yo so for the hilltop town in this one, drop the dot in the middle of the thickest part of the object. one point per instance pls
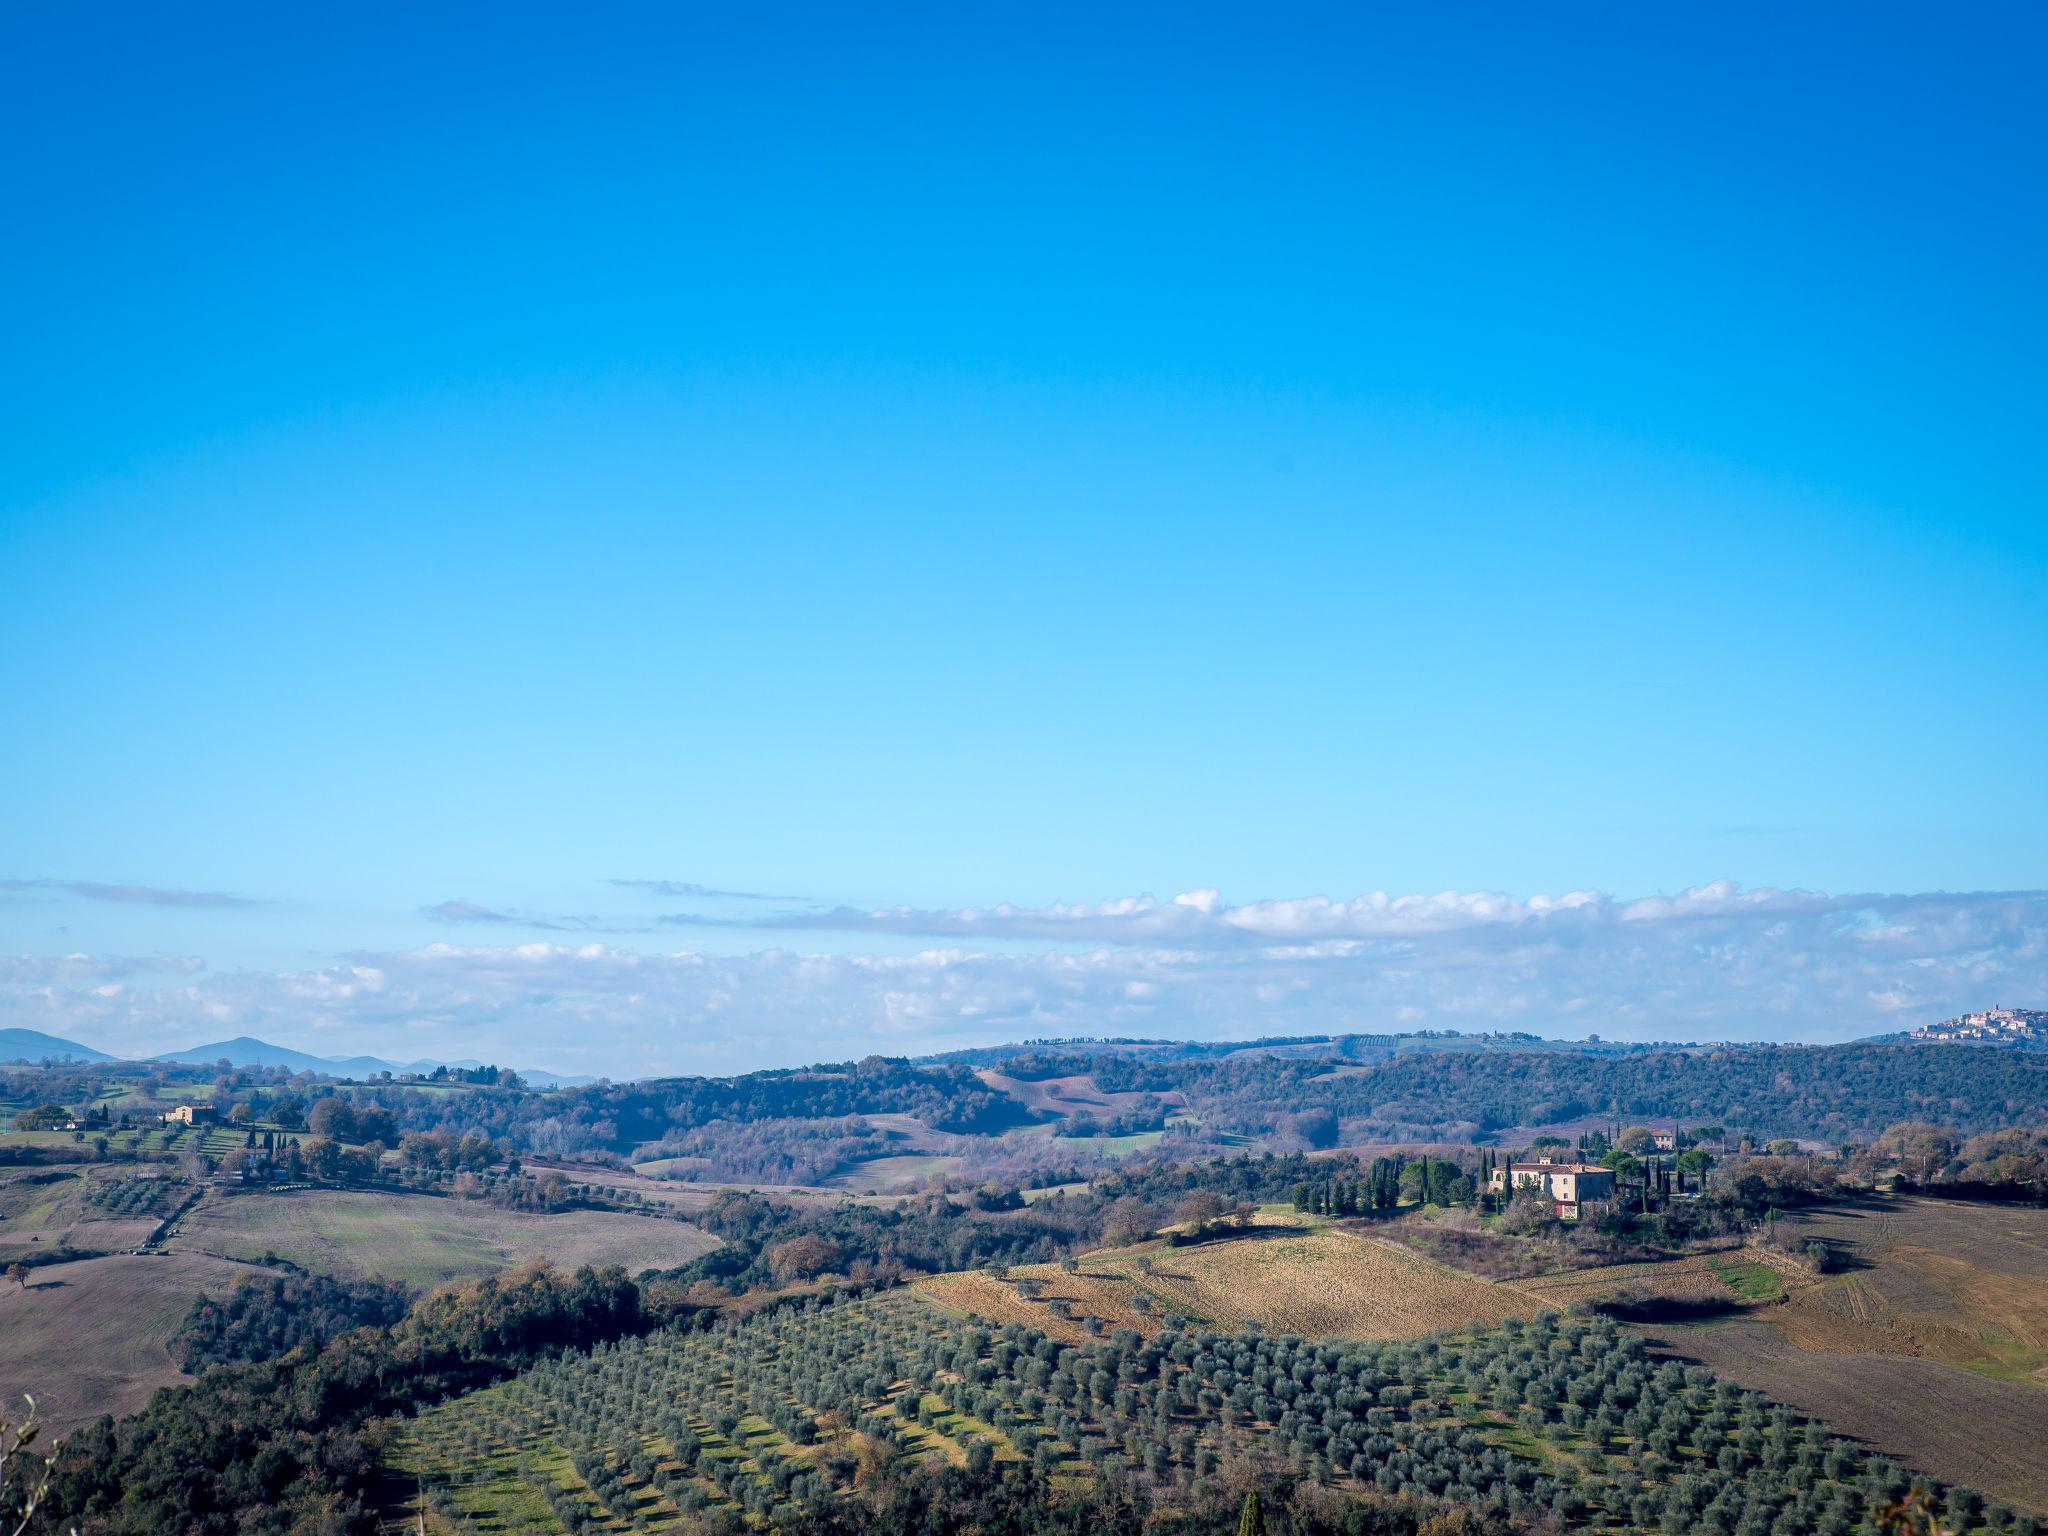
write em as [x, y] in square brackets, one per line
[1994, 1026]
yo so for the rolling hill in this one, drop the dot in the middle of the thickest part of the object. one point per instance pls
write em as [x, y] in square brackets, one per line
[34, 1045]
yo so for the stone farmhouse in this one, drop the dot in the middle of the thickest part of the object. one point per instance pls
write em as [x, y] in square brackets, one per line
[1575, 1189]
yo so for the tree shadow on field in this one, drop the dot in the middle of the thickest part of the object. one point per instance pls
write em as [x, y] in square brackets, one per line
[1669, 1309]
[1216, 1238]
[1264, 1233]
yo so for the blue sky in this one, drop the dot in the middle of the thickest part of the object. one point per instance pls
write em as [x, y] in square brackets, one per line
[927, 464]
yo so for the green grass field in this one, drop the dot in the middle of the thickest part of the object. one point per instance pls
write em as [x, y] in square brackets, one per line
[1749, 1280]
[883, 1174]
[1111, 1146]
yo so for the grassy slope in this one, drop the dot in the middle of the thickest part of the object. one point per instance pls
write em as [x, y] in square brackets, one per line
[423, 1239]
[1294, 1275]
[88, 1337]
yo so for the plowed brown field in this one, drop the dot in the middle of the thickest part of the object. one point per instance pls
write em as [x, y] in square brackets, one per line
[1931, 1343]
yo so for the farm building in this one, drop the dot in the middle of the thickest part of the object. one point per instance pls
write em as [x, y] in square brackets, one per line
[1664, 1141]
[1574, 1187]
[192, 1114]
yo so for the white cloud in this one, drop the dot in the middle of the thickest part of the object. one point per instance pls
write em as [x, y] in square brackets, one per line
[1718, 962]
[1201, 919]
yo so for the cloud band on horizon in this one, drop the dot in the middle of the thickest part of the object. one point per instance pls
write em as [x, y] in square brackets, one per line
[1201, 919]
[1717, 962]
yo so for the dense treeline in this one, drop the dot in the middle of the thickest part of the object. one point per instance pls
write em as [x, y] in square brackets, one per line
[1261, 1178]
[264, 1316]
[926, 1235]
[1393, 1088]
[1831, 1093]
[615, 1118]
[773, 1151]
[290, 1444]
[1834, 1093]
[2007, 1164]
[1014, 1500]
[798, 1125]
[1148, 1114]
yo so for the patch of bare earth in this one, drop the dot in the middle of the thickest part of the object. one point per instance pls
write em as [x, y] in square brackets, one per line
[1938, 1418]
[1931, 1342]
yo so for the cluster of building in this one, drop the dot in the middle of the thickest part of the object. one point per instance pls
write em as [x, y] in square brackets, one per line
[1994, 1026]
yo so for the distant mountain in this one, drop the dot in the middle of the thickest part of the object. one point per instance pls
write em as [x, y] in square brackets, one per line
[34, 1045]
[31, 1045]
[243, 1051]
[2021, 1027]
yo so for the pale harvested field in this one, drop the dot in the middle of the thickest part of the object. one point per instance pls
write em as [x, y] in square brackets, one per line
[425, 1240]
[686, 1194]
[88, 1337]
[1687, 1279]
[978, 1294]
[1321, 1284]
[911, 1133]
[885, 1175]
